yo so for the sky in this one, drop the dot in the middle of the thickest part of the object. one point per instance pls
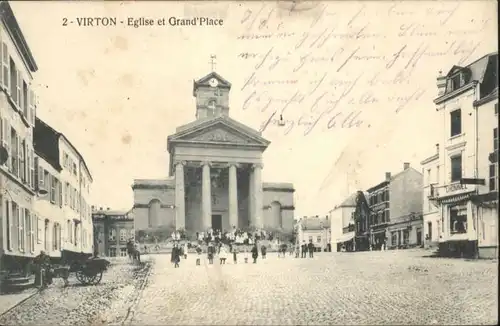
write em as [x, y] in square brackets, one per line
[117, 92]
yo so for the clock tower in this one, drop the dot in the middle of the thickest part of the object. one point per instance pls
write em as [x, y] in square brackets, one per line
[212, 95]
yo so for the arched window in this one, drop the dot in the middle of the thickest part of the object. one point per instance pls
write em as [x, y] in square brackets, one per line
[212, 107]
[276, 214]
[154, 212]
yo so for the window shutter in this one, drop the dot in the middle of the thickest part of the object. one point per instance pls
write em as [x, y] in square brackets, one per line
[20, 157]
[2, 133]
[6, 143]
[5, 68]
[20, 222]
[1, 58]
[59, 184]
[19, 91]
[37, 175]
[31, 107]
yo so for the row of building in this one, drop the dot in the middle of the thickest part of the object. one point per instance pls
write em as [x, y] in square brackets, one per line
[45, 183]
[452, 204]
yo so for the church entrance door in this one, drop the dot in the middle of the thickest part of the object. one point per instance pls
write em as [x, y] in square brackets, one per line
[217, 222]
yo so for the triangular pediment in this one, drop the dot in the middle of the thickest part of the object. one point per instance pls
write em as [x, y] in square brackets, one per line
[205, 80]
[453, 70]
[221, 130]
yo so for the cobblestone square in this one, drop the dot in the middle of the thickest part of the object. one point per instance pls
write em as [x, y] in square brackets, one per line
[390, 287]
[365, 288]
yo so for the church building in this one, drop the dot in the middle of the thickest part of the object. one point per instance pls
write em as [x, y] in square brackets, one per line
[215, 174]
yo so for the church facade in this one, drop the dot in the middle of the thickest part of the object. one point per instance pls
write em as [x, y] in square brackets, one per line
[215, 174]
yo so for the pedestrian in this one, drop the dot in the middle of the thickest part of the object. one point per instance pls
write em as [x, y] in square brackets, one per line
[222, 255]
[310, 246]
[175, 256]
[246, 254]
[297, 251]
[210, 253]
[303, 248]
[185, 250]
[235, 254]
[255, 253]
[199, 252]
[263, 251]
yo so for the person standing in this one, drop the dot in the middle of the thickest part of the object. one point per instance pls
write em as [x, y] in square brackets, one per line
[235, 254]
[198, 251]
[255, 253]
[310, 246]
[263, 251]
[176, 256]
[185, 250]
[222, 255]
[210, 253]
[303, 248]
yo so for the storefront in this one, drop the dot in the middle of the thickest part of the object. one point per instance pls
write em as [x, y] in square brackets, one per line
[459, 226]
[346, 242]
[378, 238]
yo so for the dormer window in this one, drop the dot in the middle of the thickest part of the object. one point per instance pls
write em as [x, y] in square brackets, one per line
[456, 81]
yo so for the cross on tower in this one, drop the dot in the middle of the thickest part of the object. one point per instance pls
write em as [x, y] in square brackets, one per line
[212, 61]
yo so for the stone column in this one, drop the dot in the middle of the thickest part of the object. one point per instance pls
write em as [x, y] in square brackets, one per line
[258, 195]
[251, 211]
[206, 196]
[233, 196]
[180, 208]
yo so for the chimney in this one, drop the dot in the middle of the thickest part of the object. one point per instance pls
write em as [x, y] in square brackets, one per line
[107, 208]
[100, 208]
[388, 176]
[437, 148]
[406, 166]
[441, 83]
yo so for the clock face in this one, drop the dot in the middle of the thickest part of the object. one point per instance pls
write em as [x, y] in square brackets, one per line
[213, 82]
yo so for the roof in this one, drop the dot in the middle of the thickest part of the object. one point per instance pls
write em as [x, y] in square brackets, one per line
[314, 223]
[13, 28]
[46, 143]
[110, 213]
[477, 68]
[488, 98]
[223, 83]
[47, 139]
[350, 201]
[483, 71]
[397, 175]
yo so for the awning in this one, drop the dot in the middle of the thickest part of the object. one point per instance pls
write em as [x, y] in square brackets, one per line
[345, 237]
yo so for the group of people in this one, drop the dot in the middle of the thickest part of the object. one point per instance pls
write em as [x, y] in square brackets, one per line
[236, 235]
[304, 249]
[219, 250]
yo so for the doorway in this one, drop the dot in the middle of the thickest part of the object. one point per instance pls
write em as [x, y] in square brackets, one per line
[419, 237]
[217, 222]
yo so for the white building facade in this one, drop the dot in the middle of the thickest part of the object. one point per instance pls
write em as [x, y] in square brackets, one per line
[314, 230]
[48, 209]
[430, 209]
[17, 118]
[63, 173]
[464, 193]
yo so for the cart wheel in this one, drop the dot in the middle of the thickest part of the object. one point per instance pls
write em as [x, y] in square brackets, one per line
[97, 278]
[82, 277]
[79, 276]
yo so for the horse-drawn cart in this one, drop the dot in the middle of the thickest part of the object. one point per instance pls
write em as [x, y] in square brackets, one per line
[89, 272]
